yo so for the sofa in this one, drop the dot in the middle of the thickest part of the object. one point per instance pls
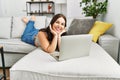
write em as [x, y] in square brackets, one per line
[12, 28]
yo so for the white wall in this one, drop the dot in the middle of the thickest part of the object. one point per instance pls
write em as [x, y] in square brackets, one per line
[12, 7]
[113, 16]
[1, 7]
[60, 6]
[73, 9]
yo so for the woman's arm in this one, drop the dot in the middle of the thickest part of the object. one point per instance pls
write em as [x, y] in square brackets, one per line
[45, 44]
[59, 38]
[59, 42]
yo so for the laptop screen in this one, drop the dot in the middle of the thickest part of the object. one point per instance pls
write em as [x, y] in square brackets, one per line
[75, 46]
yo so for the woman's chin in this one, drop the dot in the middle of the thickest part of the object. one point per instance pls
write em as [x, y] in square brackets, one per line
[58, 32]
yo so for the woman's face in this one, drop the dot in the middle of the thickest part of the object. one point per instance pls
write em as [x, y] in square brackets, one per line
[59, 25]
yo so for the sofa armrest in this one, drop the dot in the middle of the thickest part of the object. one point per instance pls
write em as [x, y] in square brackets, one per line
[110, 44]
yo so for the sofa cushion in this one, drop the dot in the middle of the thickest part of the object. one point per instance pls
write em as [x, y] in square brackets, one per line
[98, 29]
[80, 26]
[110, 44]
[16, 45]
[39, 65]
[5, 29]
[19, 26]
[40, 22]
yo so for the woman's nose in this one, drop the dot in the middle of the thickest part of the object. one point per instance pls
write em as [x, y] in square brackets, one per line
[59, 25]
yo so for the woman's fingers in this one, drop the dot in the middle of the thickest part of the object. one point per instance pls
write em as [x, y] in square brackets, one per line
[52, 31]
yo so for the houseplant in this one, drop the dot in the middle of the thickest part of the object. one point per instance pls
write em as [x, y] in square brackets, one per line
[94, 7]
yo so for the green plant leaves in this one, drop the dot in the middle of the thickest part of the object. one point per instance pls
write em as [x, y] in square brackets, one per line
[93, 7]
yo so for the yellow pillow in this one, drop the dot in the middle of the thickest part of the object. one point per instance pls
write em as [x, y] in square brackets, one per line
[98, 29]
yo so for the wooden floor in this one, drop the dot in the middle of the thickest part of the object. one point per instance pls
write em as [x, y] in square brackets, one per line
[7, 73]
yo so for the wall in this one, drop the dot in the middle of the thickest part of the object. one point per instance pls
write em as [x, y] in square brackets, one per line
[1, 5]
[73, 9]
[12, 7]
[113, 16]
[18, 8]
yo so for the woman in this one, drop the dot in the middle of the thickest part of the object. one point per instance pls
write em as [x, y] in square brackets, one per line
[49, 38]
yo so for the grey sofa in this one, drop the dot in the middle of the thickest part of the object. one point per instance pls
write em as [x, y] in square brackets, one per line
[12, 28]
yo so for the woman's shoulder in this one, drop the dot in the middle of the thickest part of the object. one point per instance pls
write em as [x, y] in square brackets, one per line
[42, 33]
[43, 29]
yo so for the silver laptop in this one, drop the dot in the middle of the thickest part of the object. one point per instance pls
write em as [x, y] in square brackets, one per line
[75, 46]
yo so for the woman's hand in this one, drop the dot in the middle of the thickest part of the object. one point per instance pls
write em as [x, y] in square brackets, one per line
[55, 33]
[52, 31]
[64, 30]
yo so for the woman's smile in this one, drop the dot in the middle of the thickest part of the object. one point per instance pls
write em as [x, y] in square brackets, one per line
[58, 30]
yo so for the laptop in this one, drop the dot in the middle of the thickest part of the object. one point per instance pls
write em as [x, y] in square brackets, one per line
[75, 46]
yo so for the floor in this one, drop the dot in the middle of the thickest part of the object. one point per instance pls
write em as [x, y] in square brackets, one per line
[7, 73]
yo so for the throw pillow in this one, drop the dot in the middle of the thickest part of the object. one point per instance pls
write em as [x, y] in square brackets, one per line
[98, 29]
[80, 26]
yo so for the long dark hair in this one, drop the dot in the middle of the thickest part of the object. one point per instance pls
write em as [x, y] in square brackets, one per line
[47, 29]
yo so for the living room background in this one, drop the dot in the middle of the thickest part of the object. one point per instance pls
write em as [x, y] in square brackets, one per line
[70, 9]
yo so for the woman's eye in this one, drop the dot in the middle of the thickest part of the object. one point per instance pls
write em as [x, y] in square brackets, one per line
[63, 24]
[57, 22]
